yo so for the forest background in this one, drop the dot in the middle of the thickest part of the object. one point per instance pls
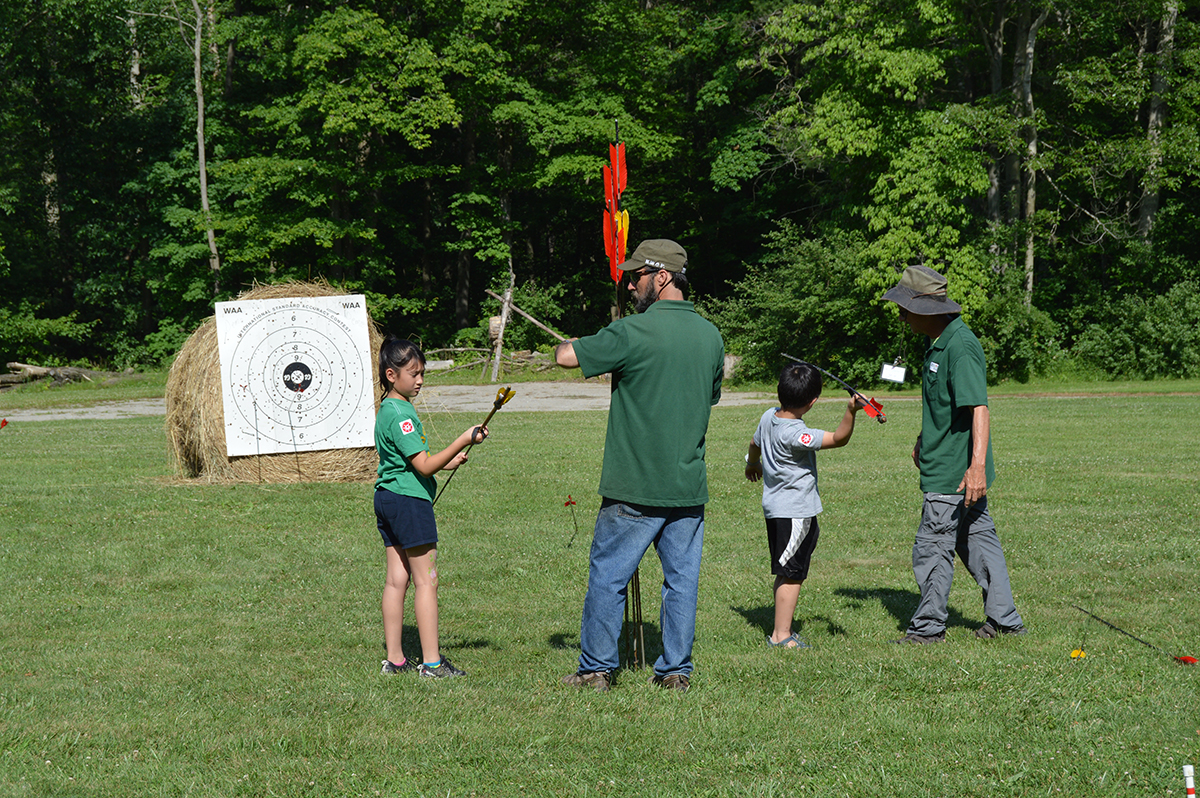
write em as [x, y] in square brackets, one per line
[160, 156]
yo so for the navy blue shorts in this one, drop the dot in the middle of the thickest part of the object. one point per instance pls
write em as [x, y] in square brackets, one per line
[404, 522]
[792, 541]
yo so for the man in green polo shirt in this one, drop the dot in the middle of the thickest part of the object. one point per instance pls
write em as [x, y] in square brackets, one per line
[954, 454]
[666, 364]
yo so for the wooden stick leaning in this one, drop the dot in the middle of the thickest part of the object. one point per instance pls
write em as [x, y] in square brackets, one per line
[535, 322]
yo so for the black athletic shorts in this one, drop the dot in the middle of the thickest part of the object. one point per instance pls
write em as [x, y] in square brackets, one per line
[792, 541]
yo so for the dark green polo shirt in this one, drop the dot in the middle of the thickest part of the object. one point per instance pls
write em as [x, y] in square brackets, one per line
[666, 366]
[953, 383]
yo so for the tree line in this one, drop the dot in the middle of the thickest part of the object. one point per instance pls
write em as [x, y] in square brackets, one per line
[160, 155]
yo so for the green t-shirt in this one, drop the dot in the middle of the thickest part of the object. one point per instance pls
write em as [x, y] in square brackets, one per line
[666, 366]
[399, 436]
[953, 383]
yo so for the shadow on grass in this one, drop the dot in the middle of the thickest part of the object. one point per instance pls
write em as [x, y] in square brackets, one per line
[650, 634]
[410, 640]
[764, 618]
[900, 604]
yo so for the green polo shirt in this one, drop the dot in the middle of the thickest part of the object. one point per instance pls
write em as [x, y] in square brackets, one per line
[399, 436]
[953, 383]
[666, 366]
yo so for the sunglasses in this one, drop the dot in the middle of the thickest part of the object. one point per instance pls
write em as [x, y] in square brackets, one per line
[635, 276]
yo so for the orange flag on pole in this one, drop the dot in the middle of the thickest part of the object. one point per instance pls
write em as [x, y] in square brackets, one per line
[616, 219]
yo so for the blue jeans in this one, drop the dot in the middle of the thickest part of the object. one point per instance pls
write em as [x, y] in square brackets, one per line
[623, 534]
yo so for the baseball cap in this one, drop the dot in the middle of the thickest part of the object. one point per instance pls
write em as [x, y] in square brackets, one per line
[657, 253]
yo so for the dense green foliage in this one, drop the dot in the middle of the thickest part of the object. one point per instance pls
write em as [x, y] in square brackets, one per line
[1045, 156]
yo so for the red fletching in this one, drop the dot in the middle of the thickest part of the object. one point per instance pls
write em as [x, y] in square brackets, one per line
[616, 156]
[1187, 660]
[569, 502]
[615, 220]
[3, 423]
[609, 238]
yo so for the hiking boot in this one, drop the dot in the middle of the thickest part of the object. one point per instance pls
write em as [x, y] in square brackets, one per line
[672, 681]
[921, 640]
[443, 670]
[390, 667]
[990, 631]
[597, 680]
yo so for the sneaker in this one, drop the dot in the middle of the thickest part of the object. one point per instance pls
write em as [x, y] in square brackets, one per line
[390, 667]
[597, 680]
[672, 681]
[922, 640]
[444, 670]
[990, 631]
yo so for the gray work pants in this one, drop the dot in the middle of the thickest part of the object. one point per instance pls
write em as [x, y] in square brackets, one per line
[947, 526]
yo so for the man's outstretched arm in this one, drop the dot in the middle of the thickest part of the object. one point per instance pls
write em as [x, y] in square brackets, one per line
[564, 355]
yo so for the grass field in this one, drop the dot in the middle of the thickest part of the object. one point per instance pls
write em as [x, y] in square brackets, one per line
[159, 638]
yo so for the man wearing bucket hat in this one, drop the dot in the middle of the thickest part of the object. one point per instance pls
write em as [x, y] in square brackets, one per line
[666, 364]
[954, 455]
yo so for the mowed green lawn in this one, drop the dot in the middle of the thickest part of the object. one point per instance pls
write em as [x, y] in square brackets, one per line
[159, 638]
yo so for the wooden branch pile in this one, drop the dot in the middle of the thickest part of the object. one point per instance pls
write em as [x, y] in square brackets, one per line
[480, 358]
[22, 373]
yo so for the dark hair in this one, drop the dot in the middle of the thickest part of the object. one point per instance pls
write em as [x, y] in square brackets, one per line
[396, 353]
[680, 281]
[799, 384]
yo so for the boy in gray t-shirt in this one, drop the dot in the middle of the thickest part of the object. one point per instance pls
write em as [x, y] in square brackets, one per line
[783, 454]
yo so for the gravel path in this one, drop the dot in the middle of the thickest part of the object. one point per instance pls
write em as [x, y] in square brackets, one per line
[531, 396]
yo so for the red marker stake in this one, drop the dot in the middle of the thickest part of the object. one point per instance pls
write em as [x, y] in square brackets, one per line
[571, 503]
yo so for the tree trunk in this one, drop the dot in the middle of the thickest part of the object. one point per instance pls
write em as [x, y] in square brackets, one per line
[462, 287]
[1157, 118]
[1025, 109]
[506, 303]
[992, 24]
[214, 259]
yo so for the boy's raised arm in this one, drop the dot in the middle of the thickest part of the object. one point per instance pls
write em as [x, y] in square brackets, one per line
[841, 436]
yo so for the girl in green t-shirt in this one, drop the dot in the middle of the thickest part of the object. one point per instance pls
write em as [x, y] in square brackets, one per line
[404, 495]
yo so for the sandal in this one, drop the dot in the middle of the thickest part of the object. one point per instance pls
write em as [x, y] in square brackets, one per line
[792, 641]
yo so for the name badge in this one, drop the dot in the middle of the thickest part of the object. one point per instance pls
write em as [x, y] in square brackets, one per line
[933, 367]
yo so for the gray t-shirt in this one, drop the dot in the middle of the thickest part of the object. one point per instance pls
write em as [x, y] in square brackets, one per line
[789, 461]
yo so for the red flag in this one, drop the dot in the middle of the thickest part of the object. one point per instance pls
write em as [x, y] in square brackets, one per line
[616, 219]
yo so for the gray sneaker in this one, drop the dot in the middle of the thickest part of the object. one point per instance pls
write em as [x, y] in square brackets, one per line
[921, 640]
[597, 680]
[990, 631]
[443, 670]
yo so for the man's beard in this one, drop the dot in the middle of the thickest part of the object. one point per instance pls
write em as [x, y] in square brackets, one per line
[647, 299]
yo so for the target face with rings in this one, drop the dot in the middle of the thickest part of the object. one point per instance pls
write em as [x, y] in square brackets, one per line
[296, 374]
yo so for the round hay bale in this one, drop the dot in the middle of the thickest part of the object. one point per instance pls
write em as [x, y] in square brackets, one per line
[196, 416]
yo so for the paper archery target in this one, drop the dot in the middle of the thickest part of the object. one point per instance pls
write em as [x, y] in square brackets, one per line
[296, 374]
